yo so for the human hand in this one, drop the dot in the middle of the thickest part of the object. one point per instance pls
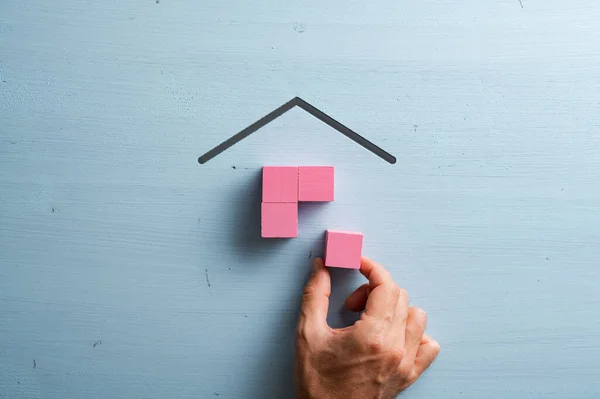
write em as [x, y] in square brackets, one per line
[378, 357]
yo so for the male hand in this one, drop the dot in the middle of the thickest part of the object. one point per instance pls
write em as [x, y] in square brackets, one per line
[378, 357]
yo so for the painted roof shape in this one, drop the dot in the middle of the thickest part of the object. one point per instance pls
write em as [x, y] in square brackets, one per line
[322, 116]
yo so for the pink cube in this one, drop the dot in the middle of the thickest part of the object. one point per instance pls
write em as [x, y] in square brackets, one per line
[280, 184]
[279, 219]
[315, 183]
[343, 249]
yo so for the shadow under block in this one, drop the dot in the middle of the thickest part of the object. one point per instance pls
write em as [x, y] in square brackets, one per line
[280, 184]
[279, 219]
[343, 249]
[315, 183]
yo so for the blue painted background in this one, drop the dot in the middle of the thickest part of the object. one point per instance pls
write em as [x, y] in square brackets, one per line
[127, 270]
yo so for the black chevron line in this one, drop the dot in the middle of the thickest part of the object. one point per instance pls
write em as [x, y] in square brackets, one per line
[322, 116]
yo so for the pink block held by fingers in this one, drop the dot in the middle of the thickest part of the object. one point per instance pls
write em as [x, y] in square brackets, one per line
[315, 183]
[279, 219]
[343, 249]
[280, 184]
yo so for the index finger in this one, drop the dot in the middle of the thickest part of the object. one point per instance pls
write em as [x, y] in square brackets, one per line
[383, 296]
[374, 272]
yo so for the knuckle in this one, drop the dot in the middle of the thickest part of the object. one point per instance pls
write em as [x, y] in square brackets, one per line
[376, 344]
[309, 293]
[402, 293]
[420, 316]
[420, 313]
[389, 291]
[396, 356]
[413, 328]
[301, 333]
[412, 377]
[406, 369]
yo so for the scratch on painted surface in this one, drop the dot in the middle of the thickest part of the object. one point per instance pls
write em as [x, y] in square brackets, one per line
[207, 280]
[99, 342]
[521, 3]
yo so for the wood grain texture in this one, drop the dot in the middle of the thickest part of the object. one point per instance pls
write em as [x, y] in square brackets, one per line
[127, 270]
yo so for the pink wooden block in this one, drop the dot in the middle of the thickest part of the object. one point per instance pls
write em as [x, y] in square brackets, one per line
[343, 249]
[280, 184]
[279, 219]
[315, 183]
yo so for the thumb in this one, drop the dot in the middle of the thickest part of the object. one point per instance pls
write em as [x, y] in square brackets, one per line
[315, 299]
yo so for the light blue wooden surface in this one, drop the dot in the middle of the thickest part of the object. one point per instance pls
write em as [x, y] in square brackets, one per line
[110, 231]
